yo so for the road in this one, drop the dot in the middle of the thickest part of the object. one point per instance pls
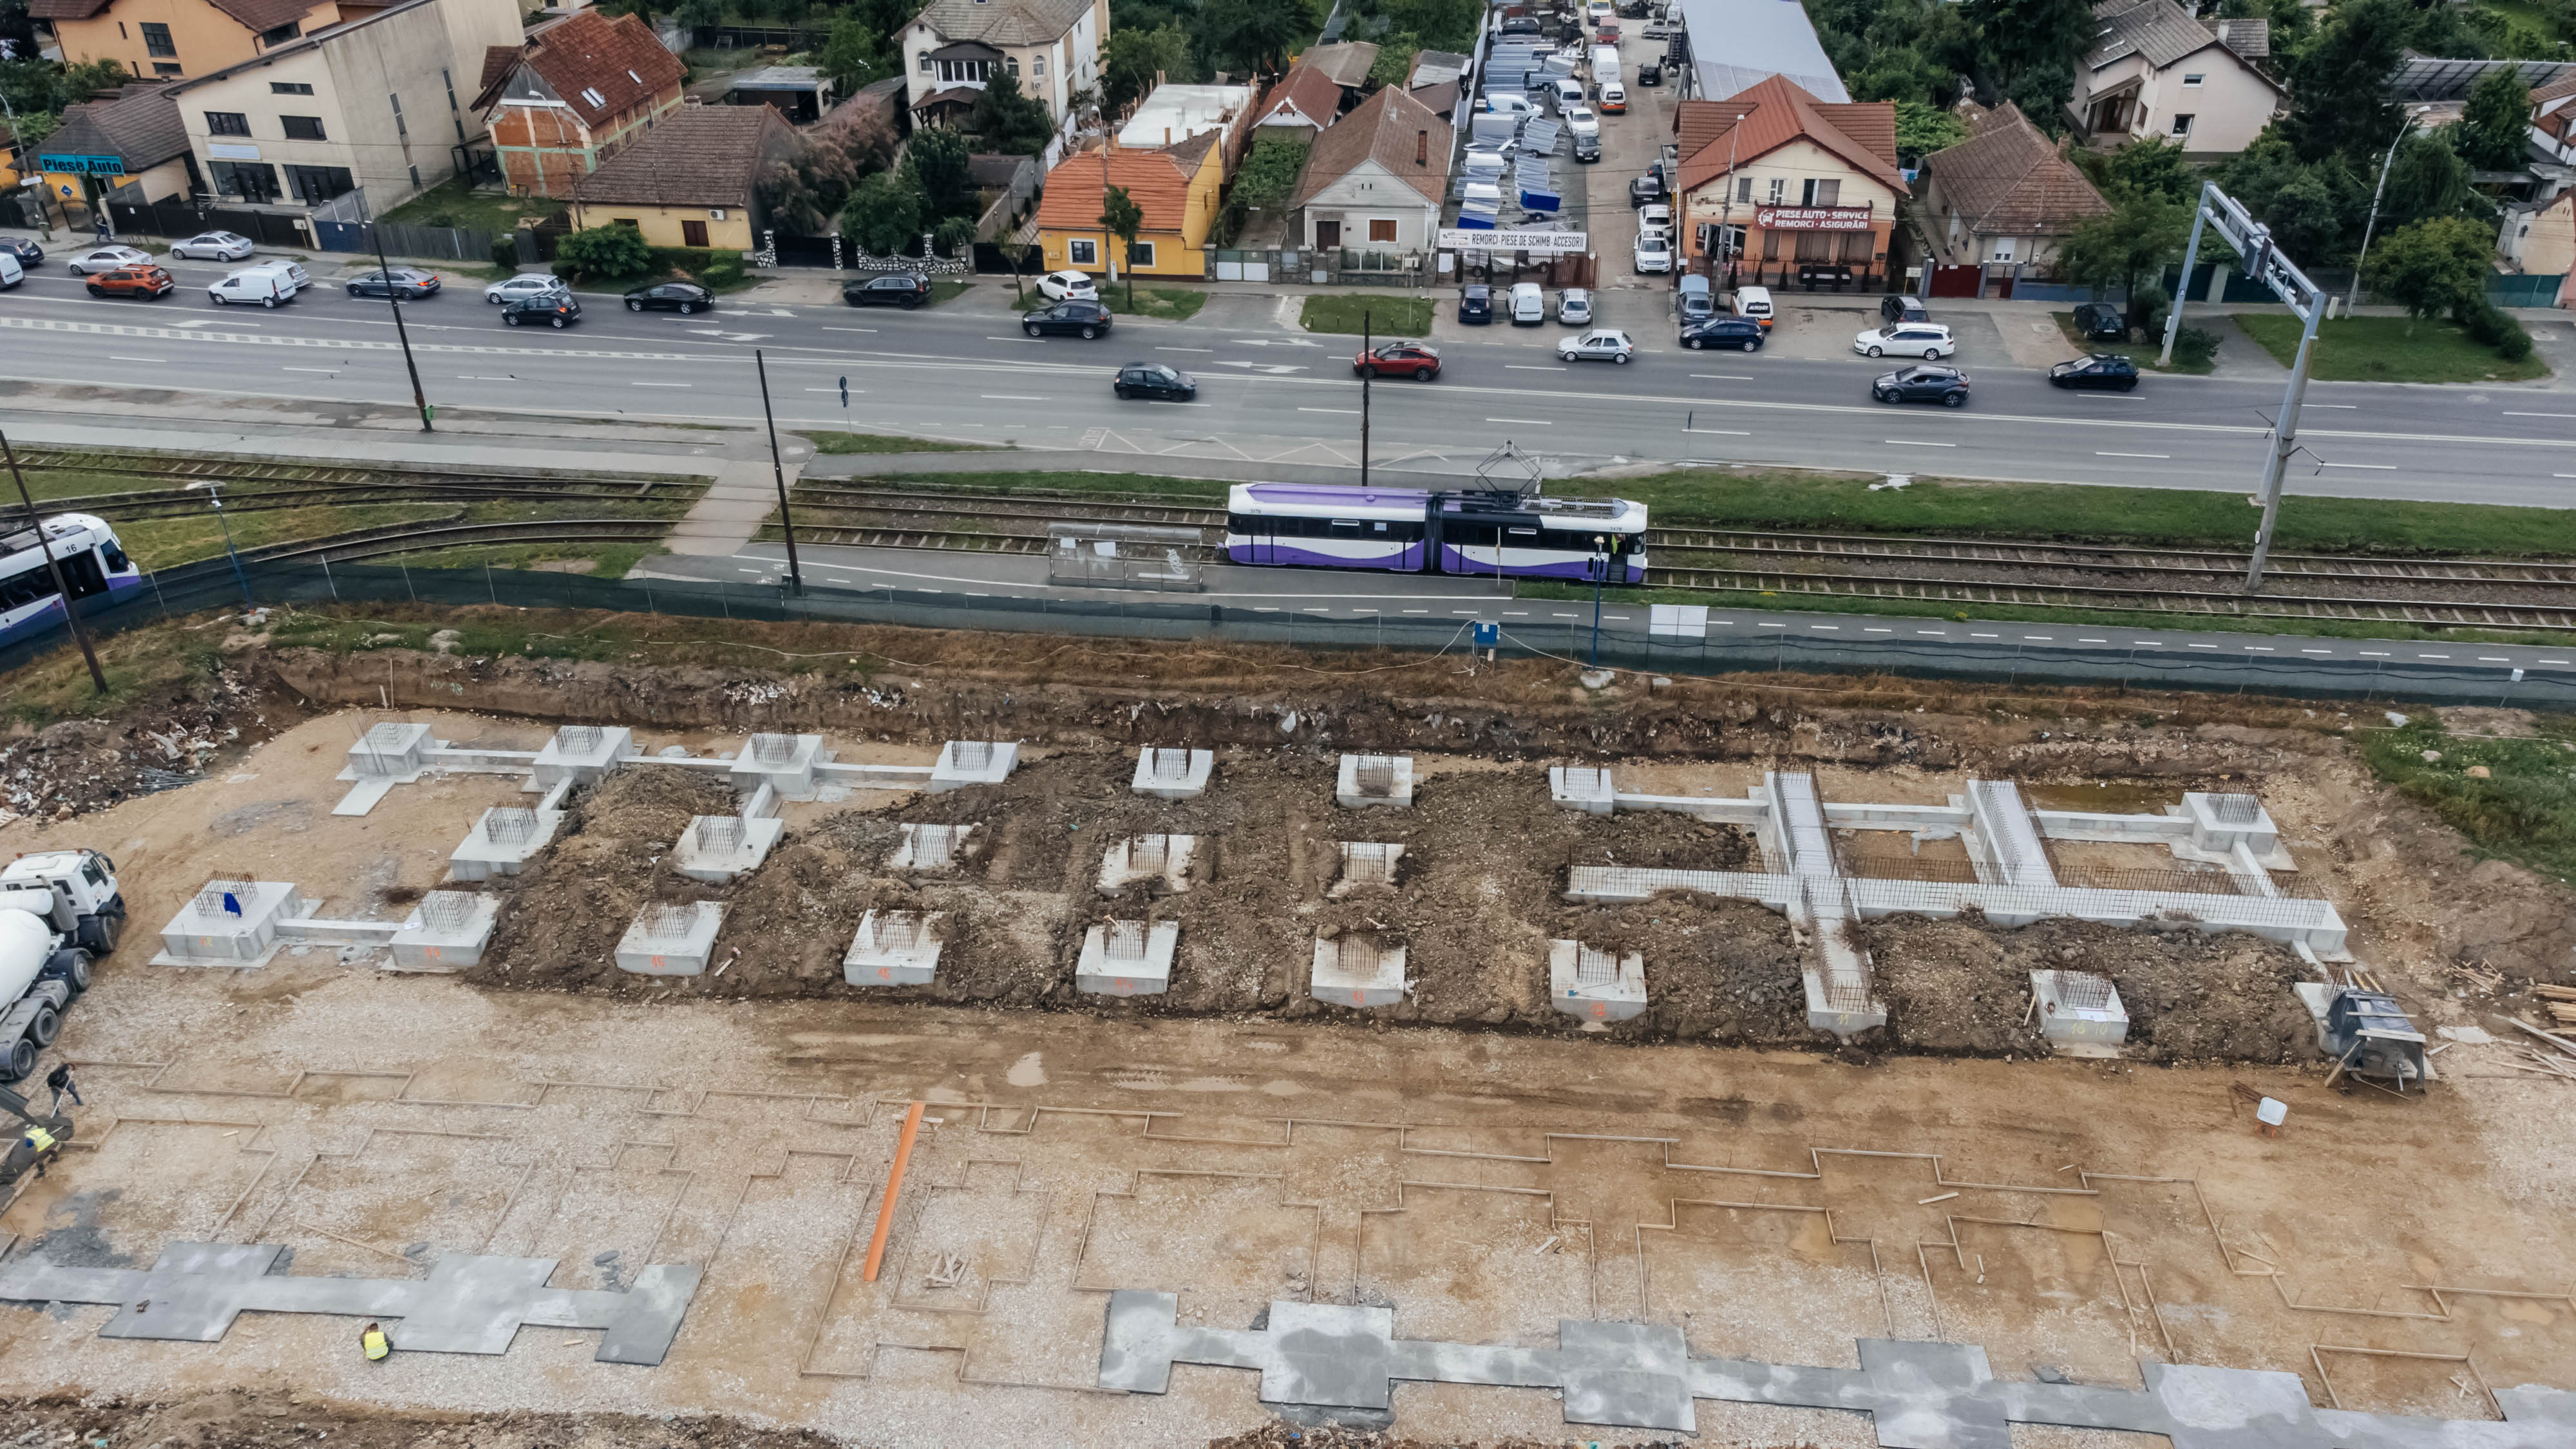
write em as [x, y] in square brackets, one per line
[1270, 393]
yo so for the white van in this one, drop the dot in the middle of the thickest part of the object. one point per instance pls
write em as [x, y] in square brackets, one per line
[11, 274]
[1754, 302]
[1529, 304]
[1605, 65]
[1568, 93]
[267, 284]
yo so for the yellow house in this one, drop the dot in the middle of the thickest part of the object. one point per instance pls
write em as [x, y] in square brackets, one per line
[688, 182]
[184, 37]
[1175, 187]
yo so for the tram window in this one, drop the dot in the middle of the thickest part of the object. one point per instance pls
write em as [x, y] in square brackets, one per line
[82, 572]
[117, 562]
[24, 588]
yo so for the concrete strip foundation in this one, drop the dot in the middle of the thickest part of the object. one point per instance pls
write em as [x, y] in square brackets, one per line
[1357, 971]
[1127, 958]
[1921, 1395]
[388, 754]
[1159, 861]
[581, 755]
[2080, 1013]
[1582, 787]
[671, 940]
[230, 923]
[447, 931]
[972, 762]
[894, 948]
[1374, 780]
[467, 1304]
[1595, 985]
[1173, 774]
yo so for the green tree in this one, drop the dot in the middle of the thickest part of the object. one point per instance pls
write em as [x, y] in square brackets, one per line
[2427, 178]
[1258, 34]
[2495, 127]
[1268, 175]
[2339, 88]
[853, 55]
[1394, 63]
[2435, 266]
[884, 212]
[1922, 130]
[936, 163]
[1440, 24]
[695, 15]
[640, 9]
[1009, 122]
[1124, 219]
[2151, 165]
[2141, 235]
[2025, 52]
[1138, 55]
[613, 250]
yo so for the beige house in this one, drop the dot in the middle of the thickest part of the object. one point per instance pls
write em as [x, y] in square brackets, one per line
[2007, 196]
[688, 182]
[2540, 240]
[2156, 71]
[174, 38]
[1051, 47]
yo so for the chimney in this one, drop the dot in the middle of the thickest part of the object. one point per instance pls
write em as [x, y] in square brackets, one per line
[1422, 148]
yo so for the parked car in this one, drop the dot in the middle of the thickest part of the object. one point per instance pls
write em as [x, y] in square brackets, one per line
[2101, 322]
[145, 281]
[1897, 307]
[1601, 344]
[1657, 216]
[406, 283]
[1924, 382]
[1419, 360]
[1509, 105]
[1614, 99]
[526, 284]
[1154, 380]
[1754, 302]
[2104, 370]
[1574, 307]
[1646, 188]
[1529, 304]
[1696, 298]
[1068, 286]
[1926, 340]
[1597, 11]
[681, 297]
[1588, 148]
[1566, 92]
[1077, 319]
[107, 259]
[546, 309]
[1742, 333]
[1519, 25]
[213, 246]
[1651, 73]
[1475, 304]
[1580, 123]
[27, 252]
[895, 289]
[1654, 252]
[267, 286]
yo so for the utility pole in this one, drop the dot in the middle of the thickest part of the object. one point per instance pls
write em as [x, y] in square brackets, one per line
[402, 334]
[2260, 261]
[1600, 571]
[62, 586]
[2352, 298]
[778, 472]
[1368, 349]
[215, 495]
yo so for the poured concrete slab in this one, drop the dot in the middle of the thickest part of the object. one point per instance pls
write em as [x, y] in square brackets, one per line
[1595, 985]
[1349, 971]
[1161, 861]
[230, 923]
[1127, 958]
[972, 762]
[1371, 780]
[671, 940]
[447, 931]
[1173, 774]
[1582, 787]
[894, 948]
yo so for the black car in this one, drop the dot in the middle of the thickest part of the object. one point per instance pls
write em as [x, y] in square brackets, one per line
[2101, 370]
[408, 283]
[1476, 304]
[1154, 380]
[681, 297]
[1739, 332]
[1923, 382]
[1896, 308]
[546, 309]
[1080, 319]
[1646, 188]
[1519, 25]
[895, 289]
[27, 252]
[1587, 148]
[2100, 322]
[1651, 73]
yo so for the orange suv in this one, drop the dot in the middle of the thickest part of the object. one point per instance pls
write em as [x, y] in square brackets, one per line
[144, 282]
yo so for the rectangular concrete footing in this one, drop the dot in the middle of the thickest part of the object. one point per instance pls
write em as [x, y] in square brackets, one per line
[230, 923]
[929, 848]
[719, 847]
[1173, 774]
[2079, 1012]
[581, 754]
[1127, 958]
[785, 763]
[502, 842]
[671, 940]
[1582, 787]
[1594, 985]
[1357, 971]
[447, 931]
[1367, 780]
[1159, 861]
[894, 948]
[972, 762]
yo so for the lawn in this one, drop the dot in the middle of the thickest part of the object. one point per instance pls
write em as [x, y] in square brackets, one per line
[837, 444]
[1386, 315]
[945, 289]
[2523, 809]
[456, 204]
[2141, 353]
[2387, 349]
[1172, 304]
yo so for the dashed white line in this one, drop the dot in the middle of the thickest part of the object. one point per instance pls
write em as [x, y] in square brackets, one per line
[1529, 367]
[2432, 656]
[1010, 397]
[2092, 641]
[2316, 651]
[1729, 432]
[1934, 633]
[2042, 638]
[1354, 412]
[2493, 659]
[1915, 443]
[1830, 627]
[2512, 414]
[1725, 376]
[2372, 654]
[2132, 455]
[1417, 611]
[1770, 626]
[2200, 646]
[1878, 631]
[661, 384]
[2260, 649]
[1973, 635]
[1185, 349]
[325, 371]
[2551, 661]
[1524, 422]
[849, 329]
[113, 357]
[2374, 467]
[2146, 643]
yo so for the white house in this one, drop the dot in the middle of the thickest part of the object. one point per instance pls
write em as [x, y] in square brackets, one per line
[1375, 179]
[2155, 71]
[1051, 46]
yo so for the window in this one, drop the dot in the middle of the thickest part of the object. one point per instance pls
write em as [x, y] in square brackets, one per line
[254, 181]
[1744, 188]
[693, 233]
[1013, 63]
[280, 35]
[628, 222]
[1381, 229]
[592, 95]
[966, 72]
[1770, 246]
[2003, 249]
[1083, 252]
[165, 67]
[925, 62]
[303, 128]
[314, 185]
[1815, 246]
[2182, 125]
[1141, 254]
[156, 39]
[227, 123]
[2191, 81]
[1779, 189]
[289, 88]
[1037, 67]
[1821, 193]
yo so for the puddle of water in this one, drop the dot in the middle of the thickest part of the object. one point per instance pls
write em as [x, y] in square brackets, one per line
[1028, 1071]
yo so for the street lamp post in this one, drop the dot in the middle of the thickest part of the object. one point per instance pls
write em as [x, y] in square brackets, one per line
[1600, 571]
[1368, 345]
[402, 334]
[778, 474]
[2352, 298]
[215, 496]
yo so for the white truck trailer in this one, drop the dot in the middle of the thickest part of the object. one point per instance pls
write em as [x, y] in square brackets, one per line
[60, 910]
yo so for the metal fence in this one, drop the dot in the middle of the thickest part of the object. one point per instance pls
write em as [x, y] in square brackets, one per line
[1775, 649]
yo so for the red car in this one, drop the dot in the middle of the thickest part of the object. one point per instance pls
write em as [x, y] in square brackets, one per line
[132, 282]
[1420, 359]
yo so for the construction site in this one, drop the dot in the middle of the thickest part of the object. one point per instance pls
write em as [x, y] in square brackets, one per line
[1042, 1043]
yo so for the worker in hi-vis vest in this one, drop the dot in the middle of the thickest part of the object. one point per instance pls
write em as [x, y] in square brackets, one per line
[373, 1340]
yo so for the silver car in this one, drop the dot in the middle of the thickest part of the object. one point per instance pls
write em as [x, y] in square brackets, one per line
[1601, 344]
[526, 284]
[107, 259]
[1574, 307]
[213, 246]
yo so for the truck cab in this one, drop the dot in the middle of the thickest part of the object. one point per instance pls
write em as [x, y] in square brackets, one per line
[59, 909]
[86, 905]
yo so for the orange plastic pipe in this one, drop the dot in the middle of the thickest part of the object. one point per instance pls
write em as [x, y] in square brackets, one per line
[894, 1185]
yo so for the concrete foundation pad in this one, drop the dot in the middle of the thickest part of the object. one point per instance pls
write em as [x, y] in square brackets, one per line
[972, 762]
[230, 923]
[1372, 780]
[719, 847]
[1127, 958]
[2080, 1013]
[894, 948]
[388, 754]
[1163, 860]
[581, 755]
[1582, 787]
[502, 842]
[1365, 863]
[447, 931]
[785, 763]
[1593, 985]
[669, 940]
[1173, 774]
[932, 847]
[1353, 971]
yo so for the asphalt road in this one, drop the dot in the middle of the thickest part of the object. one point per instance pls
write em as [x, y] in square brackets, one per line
[1272, 394]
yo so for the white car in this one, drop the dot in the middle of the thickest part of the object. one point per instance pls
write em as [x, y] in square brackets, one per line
[525, 284]
[1068, 286]
[213, 246]
[1600, 10]
[1657, 217]
[1574, 307]
[1581, 122]
[1601, 344]
[1927, 340]
[1510, 106]
[1654, 252]
[108, 259]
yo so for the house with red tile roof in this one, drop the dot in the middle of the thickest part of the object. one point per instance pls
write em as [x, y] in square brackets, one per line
[2005, 197]
[575, 94]
[1304, 99]
[1375, 179]
[1174, 186]
[1776, 185]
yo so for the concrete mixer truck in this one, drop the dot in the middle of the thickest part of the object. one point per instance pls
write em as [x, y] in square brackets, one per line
[60, 910]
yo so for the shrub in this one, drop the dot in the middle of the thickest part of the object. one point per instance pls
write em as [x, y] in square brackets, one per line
[604, 251]
[2195, 346]
[955, 235]
[724, 271]
[2494, 327]
[505, 252]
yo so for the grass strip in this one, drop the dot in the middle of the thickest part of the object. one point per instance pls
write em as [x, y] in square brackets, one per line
[2387, 349]
[843, 444]
[1386, 315]
[2522, 807]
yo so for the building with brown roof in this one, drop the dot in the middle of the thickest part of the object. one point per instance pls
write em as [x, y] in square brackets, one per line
[2005, 197]
[133, 137]
[1051, 48]
[2155, 71]
[1174, 186]
[690, 181]
[1777, 186]
[1375, 179]
[1305, 99]
[572, 96]
[173, 38]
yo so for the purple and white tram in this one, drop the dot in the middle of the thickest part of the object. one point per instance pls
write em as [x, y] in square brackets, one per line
[87, 552]
[1411, 530]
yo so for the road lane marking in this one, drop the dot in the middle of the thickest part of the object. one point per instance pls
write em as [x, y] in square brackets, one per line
[2341, 407]
[1011, 397]
[2376, 467]
[1724, 432]
[2200, 646]
[1529, 367]
[325, 371]
[1185, 349]
[1915, 443]
[2432, 656]
[2316, 651]
[112, 357]
[2511, 414]
[482, 377]
[1354, 412]
[661, 384]
[2493, 659]
[1725, 376]
[849, 329]
[1524, 422]
[2132, 455]
[2372, 654]
[854, 392]
[2092, 641]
